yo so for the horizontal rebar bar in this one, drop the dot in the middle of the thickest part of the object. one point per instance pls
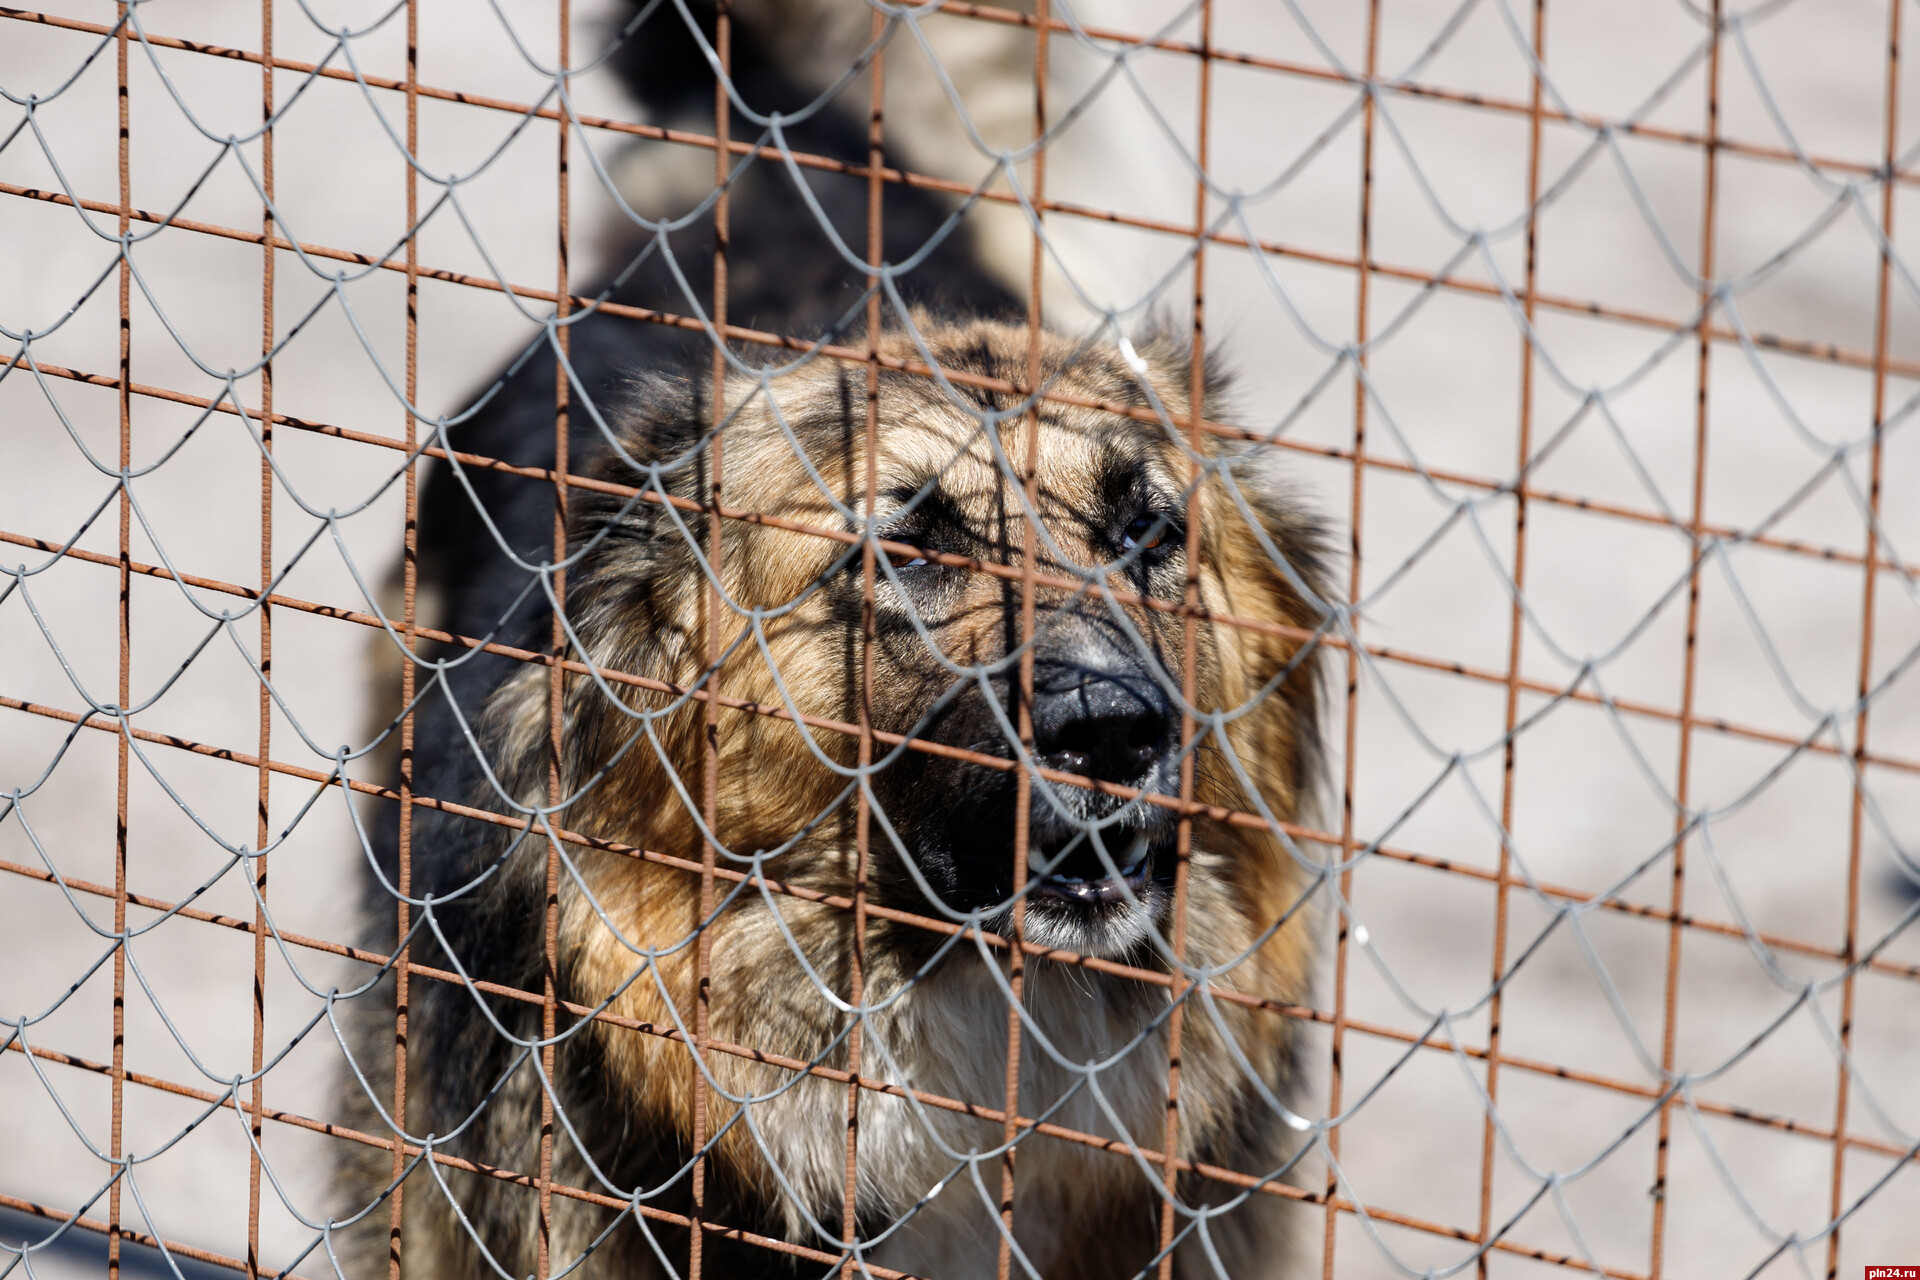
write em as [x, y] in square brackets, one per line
[1587, 121]
[494, 1172]
[1536, 1066]
[98, 1227]
[1214, 813]
[1577, 502]
[1149, 1155]
[1383, 652]
[1058, 955]
[1826, 352]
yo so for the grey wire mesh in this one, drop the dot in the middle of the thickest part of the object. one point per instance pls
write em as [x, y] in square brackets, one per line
[1679, 374]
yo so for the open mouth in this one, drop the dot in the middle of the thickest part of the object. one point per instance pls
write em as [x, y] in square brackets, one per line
[1071, 870]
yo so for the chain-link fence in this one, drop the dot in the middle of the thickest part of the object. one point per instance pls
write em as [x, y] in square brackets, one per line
[1135, 638]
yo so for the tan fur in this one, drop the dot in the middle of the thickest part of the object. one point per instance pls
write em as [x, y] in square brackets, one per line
[938, 1026]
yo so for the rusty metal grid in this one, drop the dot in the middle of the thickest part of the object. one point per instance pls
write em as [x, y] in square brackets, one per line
[1667, 1093]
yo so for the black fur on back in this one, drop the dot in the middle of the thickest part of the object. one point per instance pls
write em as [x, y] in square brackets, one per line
[784, 276]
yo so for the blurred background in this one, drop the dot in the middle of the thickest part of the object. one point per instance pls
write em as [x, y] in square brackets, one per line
[1804, 799]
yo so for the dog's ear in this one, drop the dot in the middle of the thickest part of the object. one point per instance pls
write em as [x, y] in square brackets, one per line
[656, 442]
[1292, 547]
[1273, 554]
[1276, 556]
[655, 418]
[1298, 545]
[1167, 348]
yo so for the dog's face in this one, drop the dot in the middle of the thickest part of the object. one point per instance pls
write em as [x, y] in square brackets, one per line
[1113, 501]
[1110, 496]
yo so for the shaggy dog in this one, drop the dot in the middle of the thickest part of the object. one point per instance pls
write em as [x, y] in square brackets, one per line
[1114, 507]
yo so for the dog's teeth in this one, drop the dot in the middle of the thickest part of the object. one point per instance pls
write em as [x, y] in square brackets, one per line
[1036, 860]
[1136, 854]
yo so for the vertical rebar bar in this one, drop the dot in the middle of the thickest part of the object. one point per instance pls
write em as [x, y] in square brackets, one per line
[1870, 573]
[1029, 548]
[409, 621]
[1190, 640]
[1516, 633]
[556, 682]
[263, 776]
[126, 658]
[870, 483]
[1348, 842]
[715, 603]
[1684, 771]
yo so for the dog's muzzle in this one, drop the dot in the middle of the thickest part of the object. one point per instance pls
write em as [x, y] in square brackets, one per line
[1105, 716]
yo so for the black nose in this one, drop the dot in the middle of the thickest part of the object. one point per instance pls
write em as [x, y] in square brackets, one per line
[1104, 725]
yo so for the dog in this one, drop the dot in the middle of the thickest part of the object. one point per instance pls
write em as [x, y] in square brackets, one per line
[1114, 507]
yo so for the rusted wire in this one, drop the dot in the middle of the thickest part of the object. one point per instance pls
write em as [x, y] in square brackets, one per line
[556, 584]
[1197, 479]
[1784, 1124]
[1030, 546]
[1350, 722]
[721, 1231]
[1882, 323]
[1595, 506]
[1389, 853]
[711, 615]
[125, 695]
[863, 693]
[1690, 668]
[262, 823]
[1384, 653]
[409, 634]
[1825, 352]
[1516, 638]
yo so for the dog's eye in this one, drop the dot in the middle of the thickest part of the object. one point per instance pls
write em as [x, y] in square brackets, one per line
[903, 559]
[1146, 533]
